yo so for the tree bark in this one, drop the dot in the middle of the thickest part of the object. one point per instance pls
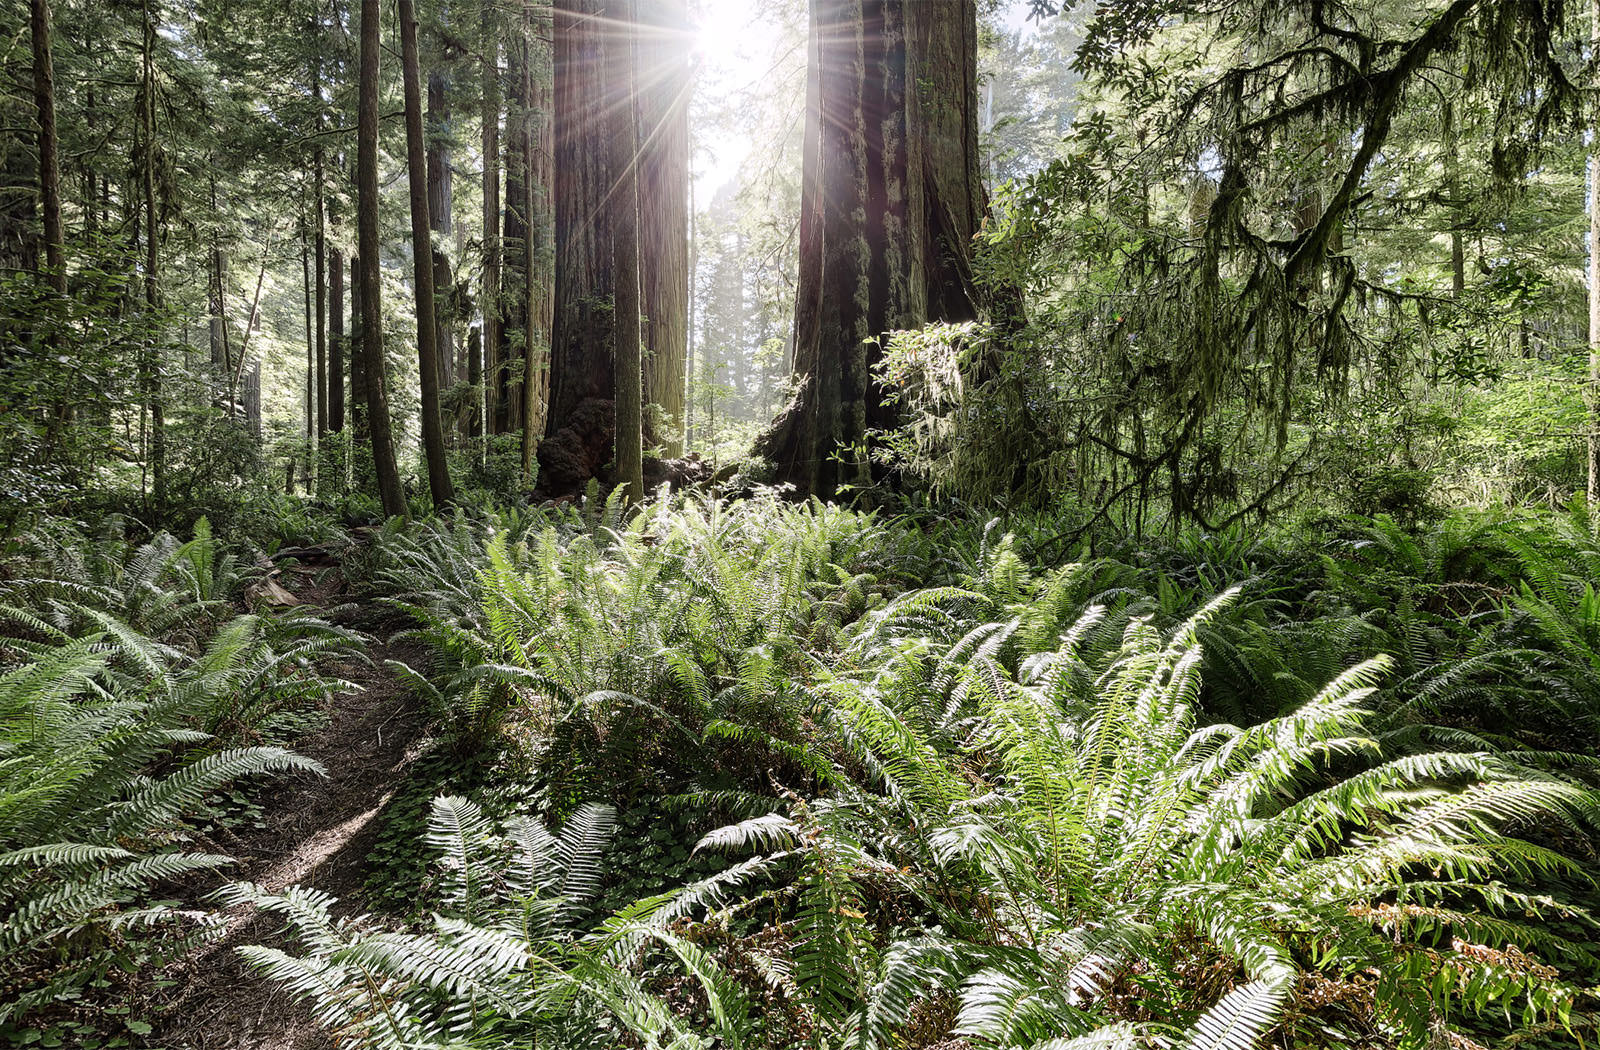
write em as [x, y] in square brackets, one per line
[540, 286]
[490, 297]
[891, 197]
[319, 259]
[514, 244]
[440, 198]
[336, 341]
[388, 473]
[625, 248]
[580, 425]
[422, 257]
[310, 457]
[150, 365]
[1592, 387]
[358, 358]
[44, 99]
[663, 103]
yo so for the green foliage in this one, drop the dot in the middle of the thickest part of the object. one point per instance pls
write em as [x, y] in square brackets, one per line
[125, 681]
[1087, 806]
[504, 963]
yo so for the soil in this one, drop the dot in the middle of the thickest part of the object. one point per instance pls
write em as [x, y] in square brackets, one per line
[317, 832]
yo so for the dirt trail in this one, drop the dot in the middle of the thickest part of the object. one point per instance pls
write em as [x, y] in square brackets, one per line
[318, 832]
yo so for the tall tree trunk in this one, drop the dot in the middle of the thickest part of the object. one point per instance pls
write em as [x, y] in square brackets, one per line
[358, 359]
[1452, 186]
[388, 473]
[422, 256]
[336, 341]
[1592, 388]
[580, 425]
[540, 285]
[319, 255]
[490, 297]
[309, 459]
[440, 197]
[663, 99]
[625, 249]
[44, 100]
[514, 245]
[891, 197]
[151, 357]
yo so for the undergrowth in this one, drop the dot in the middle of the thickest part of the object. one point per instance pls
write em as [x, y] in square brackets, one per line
[1211, 792]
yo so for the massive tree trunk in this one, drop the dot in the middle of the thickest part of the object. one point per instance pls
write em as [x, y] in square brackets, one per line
[891, 198]
[490, 297]
[368, 246]
[625, 249]
[540, 89]
[422, 256]
[663, 103]
[44, 99]
[579, 429]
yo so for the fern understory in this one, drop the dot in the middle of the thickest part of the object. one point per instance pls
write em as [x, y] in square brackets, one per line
[135, 687]
[895, 781]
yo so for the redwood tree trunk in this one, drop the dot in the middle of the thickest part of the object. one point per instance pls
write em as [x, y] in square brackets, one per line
[514, 244]
[663, 101]
[485, 370]
[440, 197]
[890, 201]
[579, 430]
[625, 250]
[540, 286]
[368, 242]
[422, 256]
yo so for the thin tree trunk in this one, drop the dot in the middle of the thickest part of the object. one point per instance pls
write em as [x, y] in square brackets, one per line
[336, 341]
[388, 473]
[538, 88]
[44, 99]
[310, 457]
[358, 359]
[625, 249]
[320, 255]
[1592, 388]
[422, 257]
[151, 364]
[1452, 186]
[439, 219]
[514, 244]
[491, 221]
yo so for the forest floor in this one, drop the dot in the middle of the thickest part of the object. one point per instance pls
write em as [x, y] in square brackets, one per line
[316, 832]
